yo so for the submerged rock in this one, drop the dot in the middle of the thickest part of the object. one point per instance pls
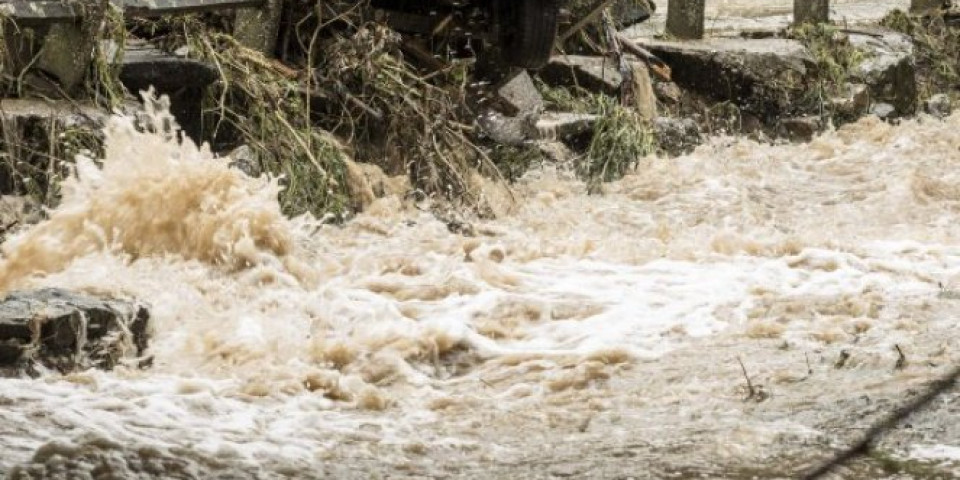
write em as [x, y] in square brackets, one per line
[677, 136]
[883, 110]
[246, 160]
[512, 131]
[65, 331]
[564, 126]
[95, 456]
[668, 93]
[801, 129]
[939, 105]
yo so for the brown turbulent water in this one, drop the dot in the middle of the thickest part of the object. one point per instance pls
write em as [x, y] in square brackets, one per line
[392, 346]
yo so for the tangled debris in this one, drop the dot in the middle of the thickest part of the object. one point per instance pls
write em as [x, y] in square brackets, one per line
[342, 103]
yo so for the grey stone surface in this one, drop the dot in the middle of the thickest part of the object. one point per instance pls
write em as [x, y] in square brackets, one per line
[17, 211]
[145, 65]
[668, 92]
[677, 135]
[66, 54]
[245, 159]
[180, 78]
[853, 101]
[939, 105]
[883, 110]
[686, 18]
[632, 12]
[519, 94]
[597, 74]
[35, 125]
[763, 77]
[811, 11]
[889, 68]
[507, 130]
[66, 113]
[257, 28]
[65, 331]
[801, 129]
[557, 152]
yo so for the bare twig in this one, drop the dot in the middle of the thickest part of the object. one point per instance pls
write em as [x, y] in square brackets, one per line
[657, 65]
[626, 71]
[751, 391]
[587, 19]
[844, 356]
[901, 360]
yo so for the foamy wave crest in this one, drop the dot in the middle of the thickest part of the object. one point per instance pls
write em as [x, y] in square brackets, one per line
[155, 192]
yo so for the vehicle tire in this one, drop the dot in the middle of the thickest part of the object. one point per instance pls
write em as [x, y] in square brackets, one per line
[528, 31]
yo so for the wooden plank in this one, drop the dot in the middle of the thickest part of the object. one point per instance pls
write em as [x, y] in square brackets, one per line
[50, 11]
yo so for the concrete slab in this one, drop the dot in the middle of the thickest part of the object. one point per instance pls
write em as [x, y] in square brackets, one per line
[729, 17]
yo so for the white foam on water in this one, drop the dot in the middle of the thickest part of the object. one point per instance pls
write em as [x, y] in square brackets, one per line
[936, 452]
[270, 335]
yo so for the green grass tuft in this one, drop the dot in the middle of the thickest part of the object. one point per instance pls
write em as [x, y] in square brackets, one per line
[622, 137]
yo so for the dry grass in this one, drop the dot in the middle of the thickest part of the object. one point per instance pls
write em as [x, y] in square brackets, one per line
[262, 103]
[346, 94]
[344, 91]
[36, 154]
[395, 118]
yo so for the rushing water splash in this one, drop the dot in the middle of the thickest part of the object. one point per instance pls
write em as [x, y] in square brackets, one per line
[154, 195]
[270, 335]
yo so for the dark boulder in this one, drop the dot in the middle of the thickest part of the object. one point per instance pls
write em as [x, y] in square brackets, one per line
[762, 77]
[65, 331]
[181, 78]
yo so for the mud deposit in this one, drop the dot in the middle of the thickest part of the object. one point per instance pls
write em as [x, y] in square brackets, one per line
[576, 336]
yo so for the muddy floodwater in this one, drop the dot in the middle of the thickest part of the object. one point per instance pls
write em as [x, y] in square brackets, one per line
[576, 336]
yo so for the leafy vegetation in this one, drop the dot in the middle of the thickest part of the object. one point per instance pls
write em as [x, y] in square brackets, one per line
[935, 46]
[622, 137]
[836, 61]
